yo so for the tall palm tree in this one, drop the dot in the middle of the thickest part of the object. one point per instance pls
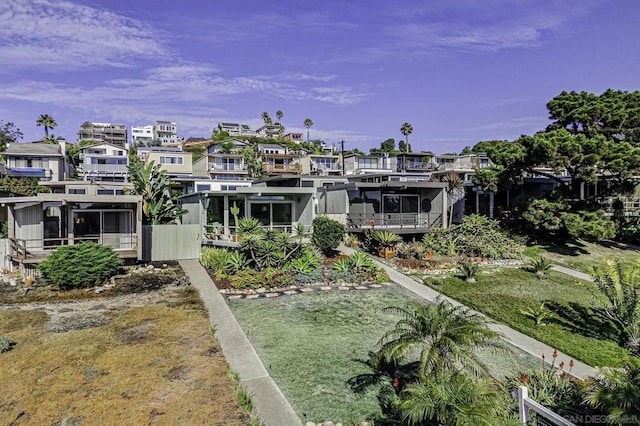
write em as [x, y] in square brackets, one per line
[455, 192]
[279, 115]
[308, 123]
[46, 121]
[406, 129]
[445, 336]
[266, 118]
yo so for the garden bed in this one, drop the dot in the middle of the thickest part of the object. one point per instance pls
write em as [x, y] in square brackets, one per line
[311, 344]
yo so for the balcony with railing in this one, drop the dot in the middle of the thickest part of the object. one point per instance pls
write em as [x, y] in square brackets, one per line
[399, 222]
[417, 166]
[36, 250]
[228, 168]
[25, 172]
[281, 168]
[105, 169]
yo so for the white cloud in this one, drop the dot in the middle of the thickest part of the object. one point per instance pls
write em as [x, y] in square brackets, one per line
[63, 35]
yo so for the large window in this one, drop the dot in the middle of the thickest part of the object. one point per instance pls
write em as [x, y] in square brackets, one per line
[276, 214]
[399, 203]
[367, 163]
[171, 159]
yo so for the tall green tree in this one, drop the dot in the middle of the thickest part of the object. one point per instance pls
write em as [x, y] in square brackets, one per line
[266, 118]
[152, 183]
[307, 124]
[406, 129]
[46, 121]
[9, 133]
[444, 336]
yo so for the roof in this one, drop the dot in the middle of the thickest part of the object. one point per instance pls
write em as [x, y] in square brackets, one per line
[93, 145]
[34, 148]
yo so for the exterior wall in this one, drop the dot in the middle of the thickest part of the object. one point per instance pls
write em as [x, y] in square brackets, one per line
[28, 225]
[166, 132]
[104, 161]
[105, 132]
[170, 161]
[171, 242]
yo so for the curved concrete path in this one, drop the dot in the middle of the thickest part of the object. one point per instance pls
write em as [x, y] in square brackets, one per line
[513, 337]
[269, 403]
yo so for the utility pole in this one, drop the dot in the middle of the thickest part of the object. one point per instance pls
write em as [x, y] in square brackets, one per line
[342, 155]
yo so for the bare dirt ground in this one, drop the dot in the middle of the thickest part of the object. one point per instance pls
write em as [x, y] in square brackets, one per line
[141, 352]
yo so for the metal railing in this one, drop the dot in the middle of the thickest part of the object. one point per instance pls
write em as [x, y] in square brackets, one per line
[293, 168]
[23, 249]
[228, 168]
[105, 168]
[218, 232]
[395, 220]
[29, 172]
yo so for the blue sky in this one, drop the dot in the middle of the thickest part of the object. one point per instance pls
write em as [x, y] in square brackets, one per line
[459, 71]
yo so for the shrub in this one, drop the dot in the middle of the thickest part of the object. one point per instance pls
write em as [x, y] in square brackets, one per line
[342, 276]
[591, 226]
[476, 236]
[214, 258]
[309, 278]
[6, 344]
[247, 279]
[235, 262]
[327, 234]
[80, 265]
[412, 251]
[538, 314]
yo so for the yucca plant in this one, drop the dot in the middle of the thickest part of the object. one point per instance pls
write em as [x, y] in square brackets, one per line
[469, 271]
[540, 265]
[341, 265]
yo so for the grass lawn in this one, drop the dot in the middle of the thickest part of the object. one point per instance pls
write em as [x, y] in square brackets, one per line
[147, 361]
[580, 255]
[311, 344]
[504, 294]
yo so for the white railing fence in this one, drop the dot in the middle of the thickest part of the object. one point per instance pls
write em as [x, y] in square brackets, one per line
[545, 415]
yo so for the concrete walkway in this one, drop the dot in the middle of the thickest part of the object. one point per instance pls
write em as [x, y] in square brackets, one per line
[513, 337]
[572, 272]
[269, 403]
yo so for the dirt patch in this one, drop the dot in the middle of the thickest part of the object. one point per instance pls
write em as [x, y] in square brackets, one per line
[140, 352]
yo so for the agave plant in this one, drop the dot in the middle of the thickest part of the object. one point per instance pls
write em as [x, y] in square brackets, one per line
[236, 262]
[360, 261]
[6, 344]
[386, 238]
[341, 265]
[249, 225]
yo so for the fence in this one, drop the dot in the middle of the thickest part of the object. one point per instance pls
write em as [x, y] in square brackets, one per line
[171, 242]
[545, 417]
[395, 220]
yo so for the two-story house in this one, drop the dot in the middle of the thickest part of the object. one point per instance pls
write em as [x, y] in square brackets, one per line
[174, 161]
[321, 164]
[416, 162]
[269, 131]
[37, 160]
[104, 162]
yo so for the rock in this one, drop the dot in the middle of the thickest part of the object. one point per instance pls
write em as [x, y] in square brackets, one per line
[165, 266]
[261, 290]
[12, 282]
[309, 424]
[150, 267]
[328, 423]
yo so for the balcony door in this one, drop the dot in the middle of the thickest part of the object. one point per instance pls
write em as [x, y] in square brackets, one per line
[274, 215]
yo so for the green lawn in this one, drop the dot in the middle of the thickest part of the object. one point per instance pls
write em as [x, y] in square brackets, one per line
[311, 344]
[580, 255]
[504, 294]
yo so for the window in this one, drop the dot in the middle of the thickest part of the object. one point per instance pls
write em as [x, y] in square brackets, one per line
[171, 160]
[106, 192]
[77, 191]
[201, 187]
[307, 184]
[367, 163]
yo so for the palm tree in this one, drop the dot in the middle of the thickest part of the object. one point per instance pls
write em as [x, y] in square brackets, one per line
[445, 336]
[455, 192]
[452, 399]
[279, 115]
[618, 284]
[616, 392]
[46, 121]
[406, 129]
[266, 118]
[308, 123]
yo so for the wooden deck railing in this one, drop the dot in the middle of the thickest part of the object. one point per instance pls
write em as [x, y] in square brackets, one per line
[395, 220]
[24, 249]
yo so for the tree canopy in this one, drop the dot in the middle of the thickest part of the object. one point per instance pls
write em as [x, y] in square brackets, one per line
[9, 133]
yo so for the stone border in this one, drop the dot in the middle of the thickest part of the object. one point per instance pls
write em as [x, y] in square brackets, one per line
[292, 291]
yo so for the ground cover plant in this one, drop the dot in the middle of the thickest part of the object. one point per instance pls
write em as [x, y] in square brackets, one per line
[145, 357]
[312, 344]
[562, 306]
